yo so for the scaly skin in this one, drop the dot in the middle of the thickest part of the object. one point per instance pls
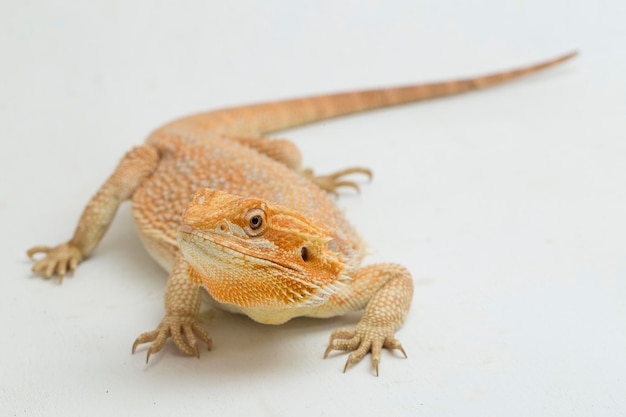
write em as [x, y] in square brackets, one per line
[259, 233]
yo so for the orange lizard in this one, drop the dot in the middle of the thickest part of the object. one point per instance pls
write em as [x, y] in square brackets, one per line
[222, 208]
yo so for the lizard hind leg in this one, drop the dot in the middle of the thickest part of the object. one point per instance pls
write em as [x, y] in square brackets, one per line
[280, 150]
[136, 166]
[287, 153]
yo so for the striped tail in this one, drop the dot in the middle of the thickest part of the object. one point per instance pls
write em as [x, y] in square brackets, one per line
[256, 119]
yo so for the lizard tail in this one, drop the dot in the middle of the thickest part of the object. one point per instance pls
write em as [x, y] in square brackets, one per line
[256, 119]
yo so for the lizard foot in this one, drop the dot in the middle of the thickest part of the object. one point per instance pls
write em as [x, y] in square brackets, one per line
[184, 331]
[59, 260]
[335, 180]
[362, 339]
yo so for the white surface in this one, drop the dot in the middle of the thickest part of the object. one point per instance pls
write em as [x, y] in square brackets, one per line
[506, 205]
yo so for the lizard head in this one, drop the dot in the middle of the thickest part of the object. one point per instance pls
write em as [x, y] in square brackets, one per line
[258, 255]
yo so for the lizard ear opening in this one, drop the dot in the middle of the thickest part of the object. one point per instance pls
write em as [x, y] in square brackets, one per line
[304, 252]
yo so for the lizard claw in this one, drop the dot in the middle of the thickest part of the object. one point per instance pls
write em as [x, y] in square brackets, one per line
[184, 331]
[59, 260]
[361, 340]
[332, 182]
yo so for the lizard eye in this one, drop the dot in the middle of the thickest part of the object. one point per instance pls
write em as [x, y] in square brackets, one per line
[255, 222]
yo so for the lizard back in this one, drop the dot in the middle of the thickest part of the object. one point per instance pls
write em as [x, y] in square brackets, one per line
[218, 163]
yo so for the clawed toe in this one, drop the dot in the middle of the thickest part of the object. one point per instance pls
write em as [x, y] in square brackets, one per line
[60, 260]
[360, 341]
[391, 343]
[334, 181]
[184, 332]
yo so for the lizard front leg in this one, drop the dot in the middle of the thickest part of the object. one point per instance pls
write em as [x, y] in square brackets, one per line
[132, 171]
[182, 302]
[385, 291]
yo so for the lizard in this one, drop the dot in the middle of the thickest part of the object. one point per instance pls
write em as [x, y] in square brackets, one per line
[224, 208]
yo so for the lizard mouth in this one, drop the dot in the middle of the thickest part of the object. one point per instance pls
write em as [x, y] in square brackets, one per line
[227, 271]
[223, 247]
[219, 249]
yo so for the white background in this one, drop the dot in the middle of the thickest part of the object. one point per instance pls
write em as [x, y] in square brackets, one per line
[506, 205]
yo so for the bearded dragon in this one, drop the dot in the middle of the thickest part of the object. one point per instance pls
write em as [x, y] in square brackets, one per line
[223, 208]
